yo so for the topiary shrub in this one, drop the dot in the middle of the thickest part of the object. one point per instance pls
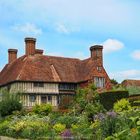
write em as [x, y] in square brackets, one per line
[108, 98]
[10, 102]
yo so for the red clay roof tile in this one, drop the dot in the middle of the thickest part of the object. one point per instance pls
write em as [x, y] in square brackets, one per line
[50, 69]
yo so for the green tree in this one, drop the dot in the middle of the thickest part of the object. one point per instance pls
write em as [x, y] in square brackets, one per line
[114, 82]
[9, 102]
[87, 101]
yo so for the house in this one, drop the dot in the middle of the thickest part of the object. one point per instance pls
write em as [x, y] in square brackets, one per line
[130, 82]
[45, 79]
[133, 86]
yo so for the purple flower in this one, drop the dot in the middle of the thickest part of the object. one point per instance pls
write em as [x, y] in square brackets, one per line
[99, 116]
[66, 134]
[111, 114]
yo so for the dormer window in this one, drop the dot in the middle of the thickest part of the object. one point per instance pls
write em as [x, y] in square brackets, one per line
[99, 68]
[38, 84]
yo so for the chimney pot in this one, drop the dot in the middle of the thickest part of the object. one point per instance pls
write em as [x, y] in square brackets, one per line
[96, 54]
[30, 45]
[12, 55]
[39, 51]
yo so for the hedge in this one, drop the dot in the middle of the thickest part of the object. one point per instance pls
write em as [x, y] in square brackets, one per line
[134, 100]
[110, 97]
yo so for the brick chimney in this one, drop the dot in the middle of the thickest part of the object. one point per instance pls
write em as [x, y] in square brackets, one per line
[39, 52]
[12, 55]
[96, 54]
[30, 46]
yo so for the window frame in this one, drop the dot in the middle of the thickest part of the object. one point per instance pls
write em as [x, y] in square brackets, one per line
[32, 98]
[38, 84]
[99, 82]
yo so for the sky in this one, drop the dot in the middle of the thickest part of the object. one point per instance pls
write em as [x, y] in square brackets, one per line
[69, 27]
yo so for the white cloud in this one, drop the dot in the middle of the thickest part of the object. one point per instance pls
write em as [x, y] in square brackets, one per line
[66, 28]
[112, 45]
[28, 28]
[136, 54]
[127, 74]
[98, 12]
[61, 28]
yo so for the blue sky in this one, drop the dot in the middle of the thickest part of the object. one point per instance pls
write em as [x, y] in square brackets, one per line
[69, 27]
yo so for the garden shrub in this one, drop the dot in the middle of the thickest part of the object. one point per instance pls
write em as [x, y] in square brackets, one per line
[67, 120]
[3, 127]
[10, 102]
[108, 98]
[30, 127]
[58, 127]
[87, 120]
[43, 109]
[122, 105]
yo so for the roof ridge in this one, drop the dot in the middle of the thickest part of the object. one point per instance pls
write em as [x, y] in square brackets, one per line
[62, 57]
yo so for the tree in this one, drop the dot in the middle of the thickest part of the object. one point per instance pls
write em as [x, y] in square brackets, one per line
[114, 82]
[10, 102]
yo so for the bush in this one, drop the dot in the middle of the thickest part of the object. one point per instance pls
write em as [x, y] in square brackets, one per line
[10, 102]
[3, 127]
[67, 120]
[43, 109]
[110, 97]
[59, 127]
[31, 127]
[135, 100]
[122, 105]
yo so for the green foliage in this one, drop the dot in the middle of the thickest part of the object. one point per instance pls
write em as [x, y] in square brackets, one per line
[67, 120]
[25, 127]
[86, 120]
[10, 102]
[87, 102]
[135, 103]
[114, 82]
[110, 97]
[133, 90]
[82, 128]
[122, 105]
[59, 127]
[4, 126]
[118, 87]
[43, 109]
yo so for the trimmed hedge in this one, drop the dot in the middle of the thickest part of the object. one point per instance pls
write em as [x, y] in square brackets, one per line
[108, 98]
[134, 100]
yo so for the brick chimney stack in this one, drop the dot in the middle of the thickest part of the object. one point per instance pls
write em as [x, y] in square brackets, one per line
[12, 55]
[30, 46]
[96, 54]
[39, 52]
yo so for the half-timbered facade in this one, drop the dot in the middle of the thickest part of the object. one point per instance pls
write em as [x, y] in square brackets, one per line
[44, 79]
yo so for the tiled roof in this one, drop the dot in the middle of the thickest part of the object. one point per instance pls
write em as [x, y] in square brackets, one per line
[49, 69]
[131, 83]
